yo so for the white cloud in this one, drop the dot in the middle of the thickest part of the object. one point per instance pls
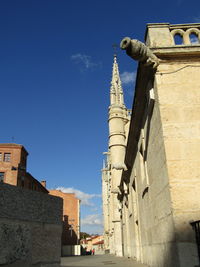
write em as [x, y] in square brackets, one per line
[128, 77]
[84, 61]
[92, 220]
[92, 224]
[84, 197]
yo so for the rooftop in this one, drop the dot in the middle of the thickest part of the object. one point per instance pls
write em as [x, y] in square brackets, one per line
[13, 145]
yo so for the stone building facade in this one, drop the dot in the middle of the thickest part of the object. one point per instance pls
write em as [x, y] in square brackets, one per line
[13, 168]
[71, 217]
[158, 195]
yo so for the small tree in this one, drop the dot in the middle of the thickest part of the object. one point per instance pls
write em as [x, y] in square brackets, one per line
[84, 235]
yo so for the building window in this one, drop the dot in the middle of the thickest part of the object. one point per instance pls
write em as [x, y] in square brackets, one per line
[7, 157]
[1, 176]
[194, 38]
[178, 39]
[0, 156]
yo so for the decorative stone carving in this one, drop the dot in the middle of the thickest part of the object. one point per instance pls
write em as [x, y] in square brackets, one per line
[115, 191]
[139, 51]
[119, 166]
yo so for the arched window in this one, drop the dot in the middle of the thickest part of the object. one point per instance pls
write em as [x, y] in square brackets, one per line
[178, 39]
[194, 38]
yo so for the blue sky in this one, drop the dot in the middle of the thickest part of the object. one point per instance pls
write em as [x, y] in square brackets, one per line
[55, 71]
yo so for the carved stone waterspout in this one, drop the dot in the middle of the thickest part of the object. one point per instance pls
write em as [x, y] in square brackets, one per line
[139, 51]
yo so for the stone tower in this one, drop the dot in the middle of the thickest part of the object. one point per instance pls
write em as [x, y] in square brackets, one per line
[118, 119]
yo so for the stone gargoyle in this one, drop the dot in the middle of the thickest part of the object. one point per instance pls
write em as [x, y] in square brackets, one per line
[139, 51]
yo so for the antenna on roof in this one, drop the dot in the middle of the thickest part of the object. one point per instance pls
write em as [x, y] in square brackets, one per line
[12, 139]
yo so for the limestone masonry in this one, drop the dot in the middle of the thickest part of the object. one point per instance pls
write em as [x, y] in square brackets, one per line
[151, 176]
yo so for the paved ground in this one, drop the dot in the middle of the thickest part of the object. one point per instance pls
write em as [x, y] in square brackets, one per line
[99, 261]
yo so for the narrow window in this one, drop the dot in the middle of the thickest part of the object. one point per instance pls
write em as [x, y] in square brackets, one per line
[194, 38]
[1, 176]
[0, 156]
[178, 39]
[142, 173]
[7, 157]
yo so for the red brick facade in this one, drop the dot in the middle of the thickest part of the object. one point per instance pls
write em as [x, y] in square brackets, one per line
[71, 220]
[13, 159]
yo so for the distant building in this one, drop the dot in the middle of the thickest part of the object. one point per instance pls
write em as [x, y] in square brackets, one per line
[13, 162]
[71, 217]
[98, 244]
[95, 243]
[99, 247]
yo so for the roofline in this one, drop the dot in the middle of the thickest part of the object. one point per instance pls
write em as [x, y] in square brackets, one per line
[13, 145]
[74, 194]
[35, 180]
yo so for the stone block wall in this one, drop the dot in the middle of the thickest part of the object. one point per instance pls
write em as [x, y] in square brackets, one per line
[179, 110]
[159, 193]
[30, 228]
[155, 220]
[149, 204]
[166, 173]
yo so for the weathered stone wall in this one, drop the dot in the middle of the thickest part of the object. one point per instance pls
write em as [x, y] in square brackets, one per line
[179, 109]
[148, 215]
[162, 153]
[155, 218]
[164, 182]
[30, 228]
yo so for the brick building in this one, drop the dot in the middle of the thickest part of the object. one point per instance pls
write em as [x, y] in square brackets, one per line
[13, 162]
[71, 217]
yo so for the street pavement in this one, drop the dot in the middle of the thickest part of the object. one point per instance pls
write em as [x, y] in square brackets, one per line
[99, 261]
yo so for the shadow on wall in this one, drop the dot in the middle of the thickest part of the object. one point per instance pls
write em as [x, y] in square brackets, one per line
[69, 236]
[181, 249]
[181, 252]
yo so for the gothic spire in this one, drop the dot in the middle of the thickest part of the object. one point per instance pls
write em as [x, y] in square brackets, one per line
[116, 91]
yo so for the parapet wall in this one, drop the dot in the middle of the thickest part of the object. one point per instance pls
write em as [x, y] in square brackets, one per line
[30, 228]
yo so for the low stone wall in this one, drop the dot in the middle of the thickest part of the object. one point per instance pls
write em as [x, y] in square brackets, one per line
[30, 228]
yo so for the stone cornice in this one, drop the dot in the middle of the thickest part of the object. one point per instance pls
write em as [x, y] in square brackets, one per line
[116, 133]
[180, 51]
